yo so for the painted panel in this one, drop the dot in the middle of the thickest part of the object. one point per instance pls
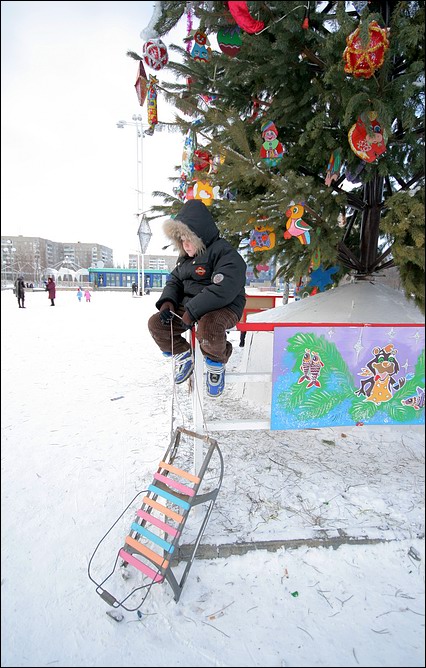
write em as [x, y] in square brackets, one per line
[325, 376]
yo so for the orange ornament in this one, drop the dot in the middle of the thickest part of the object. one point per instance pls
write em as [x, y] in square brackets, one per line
[262, 238]
[363, 60]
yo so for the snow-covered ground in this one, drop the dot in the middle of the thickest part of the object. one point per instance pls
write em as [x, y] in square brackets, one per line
[87, 409]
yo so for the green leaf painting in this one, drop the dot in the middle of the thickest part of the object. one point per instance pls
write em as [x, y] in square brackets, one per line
[336, 376]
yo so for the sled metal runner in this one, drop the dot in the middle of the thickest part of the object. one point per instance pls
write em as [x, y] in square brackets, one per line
[152, 544]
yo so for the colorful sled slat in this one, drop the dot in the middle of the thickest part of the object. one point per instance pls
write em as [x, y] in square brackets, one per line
[146, 570]
[152, 537]
[179, 472]
[146, 552]
[170, 497]
[167, 528]
[163, 509]
[183, 489]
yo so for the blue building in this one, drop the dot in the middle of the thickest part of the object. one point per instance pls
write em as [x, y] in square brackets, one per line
[107, 277]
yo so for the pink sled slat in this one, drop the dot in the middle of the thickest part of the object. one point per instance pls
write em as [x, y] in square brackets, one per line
[158, 523]
[176, 485]
[146, 570]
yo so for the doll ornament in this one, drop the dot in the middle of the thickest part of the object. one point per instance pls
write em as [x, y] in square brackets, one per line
[201, 50]
[272, 150]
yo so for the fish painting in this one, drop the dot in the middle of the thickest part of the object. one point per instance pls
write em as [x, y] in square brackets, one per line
[311, 367]
[417, 401]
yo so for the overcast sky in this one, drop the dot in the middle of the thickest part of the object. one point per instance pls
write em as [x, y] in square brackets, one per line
[68, 172]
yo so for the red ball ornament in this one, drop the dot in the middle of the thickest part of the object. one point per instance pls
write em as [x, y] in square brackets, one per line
[363, 60]
[155, 54]
[367, 137]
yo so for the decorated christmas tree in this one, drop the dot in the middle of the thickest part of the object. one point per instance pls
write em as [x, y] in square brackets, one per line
[304, 130]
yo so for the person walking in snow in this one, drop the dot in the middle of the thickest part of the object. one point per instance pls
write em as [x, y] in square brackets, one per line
[206, 287]
[20, 291]
[79, 294]
[51, 289]
[87, 295]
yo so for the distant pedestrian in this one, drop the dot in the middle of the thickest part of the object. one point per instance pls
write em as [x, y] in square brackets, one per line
[87, 295]
[134, 289]
[20, 291]
[79, 294]
[51, 289]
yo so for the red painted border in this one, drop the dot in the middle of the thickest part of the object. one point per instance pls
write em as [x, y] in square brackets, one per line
[270, 326]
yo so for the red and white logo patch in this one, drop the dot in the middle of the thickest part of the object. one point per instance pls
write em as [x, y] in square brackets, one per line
[200, 271]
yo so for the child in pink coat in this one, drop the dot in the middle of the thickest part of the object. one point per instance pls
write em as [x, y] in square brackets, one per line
[87, 295]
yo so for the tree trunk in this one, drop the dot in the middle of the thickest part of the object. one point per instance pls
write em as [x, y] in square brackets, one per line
[370, 224]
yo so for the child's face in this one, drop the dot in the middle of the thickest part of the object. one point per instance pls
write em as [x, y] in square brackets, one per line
[188, 247]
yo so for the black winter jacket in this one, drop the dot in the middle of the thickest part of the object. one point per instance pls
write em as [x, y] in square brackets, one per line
[211, 280]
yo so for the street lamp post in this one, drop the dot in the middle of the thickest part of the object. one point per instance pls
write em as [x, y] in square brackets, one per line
[144, 231]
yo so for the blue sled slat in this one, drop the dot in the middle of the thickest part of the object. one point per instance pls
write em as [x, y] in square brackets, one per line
[153, 537]
[174, 499]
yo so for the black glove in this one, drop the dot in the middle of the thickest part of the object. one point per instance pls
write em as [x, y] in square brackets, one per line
[165, 313]
[187, 321]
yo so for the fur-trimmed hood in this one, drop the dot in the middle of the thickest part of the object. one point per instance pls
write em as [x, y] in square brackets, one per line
[195, 222]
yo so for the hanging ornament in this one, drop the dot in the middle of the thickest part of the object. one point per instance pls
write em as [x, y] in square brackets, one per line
[152, 104]
[295, 226]
[315, 260]
[201, 160]
[144, 233]
[189, 192]
[321, 277]
[363, 60]
[189, 15]
[272, 150]
[180, 190]
[186, 93]
[201, 50]
[141, 84]
[256, 108]
[189, 147]
[207, 99]
[215, 162]
[262, 238]
[205, 192]
[155, 54]
[229, 40]
[334, 167]
[243, 18]
[367, 139]
[305, 22]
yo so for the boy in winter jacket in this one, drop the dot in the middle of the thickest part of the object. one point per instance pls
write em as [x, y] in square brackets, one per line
[206, 287]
